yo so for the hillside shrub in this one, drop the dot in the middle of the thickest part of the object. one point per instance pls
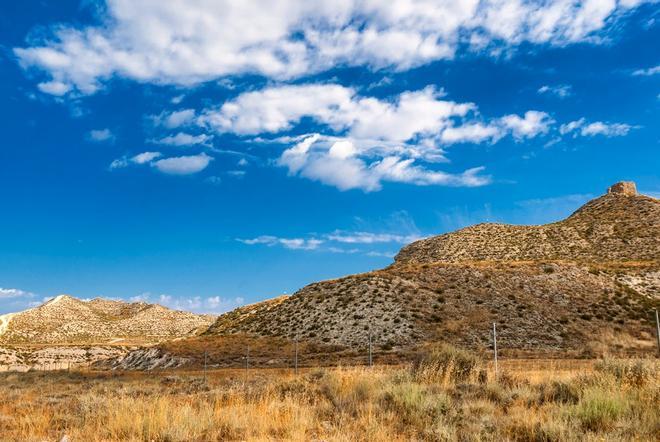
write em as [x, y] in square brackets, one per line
[445, 364]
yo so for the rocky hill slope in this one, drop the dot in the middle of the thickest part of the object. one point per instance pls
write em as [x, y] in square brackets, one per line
[586, 285]
[67, 320]
[621, 225]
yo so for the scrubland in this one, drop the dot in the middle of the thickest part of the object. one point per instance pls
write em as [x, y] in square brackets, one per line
[447, 394]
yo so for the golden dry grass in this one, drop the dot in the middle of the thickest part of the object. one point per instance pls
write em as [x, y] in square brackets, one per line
[449, 395]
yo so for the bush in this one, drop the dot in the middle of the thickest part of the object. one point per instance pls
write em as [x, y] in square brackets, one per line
[636, 373]
[414, 404]
[599, 410]
[446, 364]
[558, 392]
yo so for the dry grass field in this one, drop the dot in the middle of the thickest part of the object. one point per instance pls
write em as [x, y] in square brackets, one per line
[446, 395]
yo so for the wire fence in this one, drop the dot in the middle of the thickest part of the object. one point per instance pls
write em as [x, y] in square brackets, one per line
[296, 355]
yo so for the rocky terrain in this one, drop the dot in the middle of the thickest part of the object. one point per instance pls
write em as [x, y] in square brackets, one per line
[582, 286]
[58, 357]
[618, 226]
[67, 320]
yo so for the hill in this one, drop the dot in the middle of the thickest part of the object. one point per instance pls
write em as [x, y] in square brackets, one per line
[619, 226]
[67, 320]
[584, 285]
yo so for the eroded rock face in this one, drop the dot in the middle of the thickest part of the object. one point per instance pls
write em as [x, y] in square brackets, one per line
[626, 188]
[21, 359]
[143, 359]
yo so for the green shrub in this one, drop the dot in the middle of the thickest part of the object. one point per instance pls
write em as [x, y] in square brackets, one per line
[414, 404]
[599, 409]
[447, 364]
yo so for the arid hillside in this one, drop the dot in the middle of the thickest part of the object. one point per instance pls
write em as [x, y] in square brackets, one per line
[586, 285]
[67, 320]
[619, 226]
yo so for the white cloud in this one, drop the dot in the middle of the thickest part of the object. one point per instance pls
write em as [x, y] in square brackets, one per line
[6, 293]
[532, 124]
[56, 88]
[647, 72]
[571, 126]
[368, 140]
[145, 157]
[184, 165]
[289, 243]
[184, 139]
[334, 242]
[472, 133]
[185, 42]
[119, 163]
[608, 130]
[101, 135]
[141, 158]
[370, 237]
[561, 90]
[315, 159]
[277, 109]
[581, 127]
[172, 120]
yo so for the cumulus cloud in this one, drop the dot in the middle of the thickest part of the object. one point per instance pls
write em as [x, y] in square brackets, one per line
[532, 124]
[100, 135]
[336, 164]
[184, 139]
[183, 165]
[582, 128]
[368, 140]
[560, 90]
[185, 42]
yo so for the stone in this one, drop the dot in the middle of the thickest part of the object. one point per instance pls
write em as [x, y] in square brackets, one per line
[626, 188]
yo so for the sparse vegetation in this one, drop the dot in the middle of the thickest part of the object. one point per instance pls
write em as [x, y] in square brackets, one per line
[448, 395]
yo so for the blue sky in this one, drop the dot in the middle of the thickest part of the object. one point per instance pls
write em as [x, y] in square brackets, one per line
[207, 154]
